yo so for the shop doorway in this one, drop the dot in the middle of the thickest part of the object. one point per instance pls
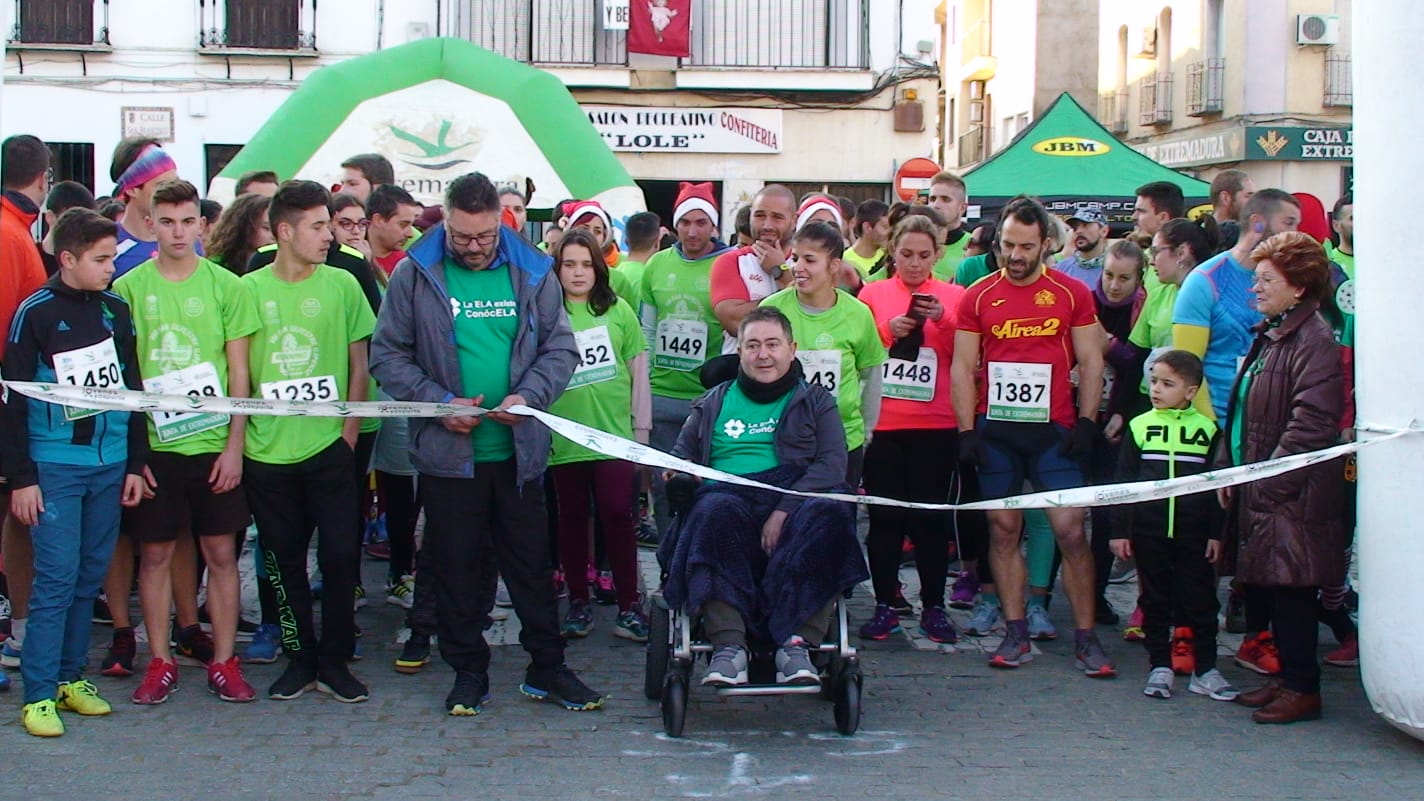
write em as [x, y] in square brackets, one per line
[661, 196]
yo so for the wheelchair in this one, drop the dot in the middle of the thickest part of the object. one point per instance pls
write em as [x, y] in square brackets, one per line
[675, 644]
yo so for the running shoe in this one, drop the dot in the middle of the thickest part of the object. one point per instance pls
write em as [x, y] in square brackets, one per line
[359, 597]
[101, 611]
[160, 680]
[42, 719]
[983, 619]
[966, 587]
[379, 551]
[194, 643]
[338, 683]
[647, 535]
[402, 593]
[1040, 627]
[265, 646]
[1347, 655]
[10, 654]
[1104, 614]
[578, 622]
[1123, 571]
[1259, 654]
[561, 587]
[901, 605]
[245, 628]
[604, 593]
[120, 657]
[1089, 657]
[882, 624]
[469, 695]
[631, 625]
[501, 596]
[1184, 656]
[1213, 685]
[225, 680]
[4, 683]
[81, 697]
[414, 655]
[295, 681]
[936, 626]
[728, 666]
[562, 686]
[793, 663]
[1014, 651]
[1134, 632]
[1159, 683]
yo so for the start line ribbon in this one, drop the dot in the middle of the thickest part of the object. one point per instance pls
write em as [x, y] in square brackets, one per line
[128, 400]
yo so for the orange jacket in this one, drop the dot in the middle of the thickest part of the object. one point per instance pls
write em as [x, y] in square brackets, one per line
[21, 269]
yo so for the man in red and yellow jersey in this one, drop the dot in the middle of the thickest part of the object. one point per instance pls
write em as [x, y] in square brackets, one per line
[1021, 332]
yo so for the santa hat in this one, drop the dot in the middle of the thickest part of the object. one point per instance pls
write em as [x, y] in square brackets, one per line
[694, 197]
[573, 212]
[817, 203]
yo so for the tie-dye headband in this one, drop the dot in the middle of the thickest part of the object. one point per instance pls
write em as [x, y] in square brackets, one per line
[150, 164]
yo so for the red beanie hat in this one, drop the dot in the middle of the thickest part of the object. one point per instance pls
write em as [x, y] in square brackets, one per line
[817, 203]
[694, 197]
[574, 212]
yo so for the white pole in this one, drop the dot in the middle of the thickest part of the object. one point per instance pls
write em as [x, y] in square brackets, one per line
[1389, 380]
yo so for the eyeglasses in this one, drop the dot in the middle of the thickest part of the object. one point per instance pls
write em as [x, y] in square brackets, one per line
[1154, 250]
[484, 240]
[352, 225]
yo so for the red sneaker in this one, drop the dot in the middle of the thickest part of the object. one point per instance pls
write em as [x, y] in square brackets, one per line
[160, 680]
[1347, 655]
[1134, 632]
[1259, 654]
[1184, 658]
[225, 680]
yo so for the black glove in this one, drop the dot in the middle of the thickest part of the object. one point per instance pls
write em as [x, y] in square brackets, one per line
[1078, 442]
[971, 448]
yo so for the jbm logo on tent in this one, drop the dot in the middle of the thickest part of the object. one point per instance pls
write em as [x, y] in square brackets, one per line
[1071, 146]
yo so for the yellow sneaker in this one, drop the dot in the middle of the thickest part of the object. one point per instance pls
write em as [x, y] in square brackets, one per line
[82, 697]
[42, 720]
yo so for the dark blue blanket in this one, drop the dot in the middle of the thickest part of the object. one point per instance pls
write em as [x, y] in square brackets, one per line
[718, 555]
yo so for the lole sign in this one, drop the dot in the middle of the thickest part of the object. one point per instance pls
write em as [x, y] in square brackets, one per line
[687, 130]
[615, 15]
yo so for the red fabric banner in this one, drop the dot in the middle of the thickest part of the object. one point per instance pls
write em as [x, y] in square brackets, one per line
[660, 27]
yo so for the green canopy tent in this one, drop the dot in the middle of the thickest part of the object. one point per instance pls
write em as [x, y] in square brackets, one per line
[1067, 160]
[440, 108]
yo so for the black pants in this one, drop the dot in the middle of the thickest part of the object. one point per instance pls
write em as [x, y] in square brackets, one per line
[972, 527]
[360, 471]
[1178, 588]
[288, 501]
[402, 511]
[1101, 465]
[855, 467]
[912, 466]
[1296, 630]
[472, 524]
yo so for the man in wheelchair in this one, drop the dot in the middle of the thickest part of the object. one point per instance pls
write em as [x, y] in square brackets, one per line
[748, 559]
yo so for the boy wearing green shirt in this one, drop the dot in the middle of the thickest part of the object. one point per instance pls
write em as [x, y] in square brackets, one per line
[194, 321]
[311, 346]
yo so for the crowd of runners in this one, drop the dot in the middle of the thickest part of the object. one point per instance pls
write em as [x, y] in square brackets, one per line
[962, 362]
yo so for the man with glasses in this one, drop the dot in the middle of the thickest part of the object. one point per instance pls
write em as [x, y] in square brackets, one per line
[476, 318]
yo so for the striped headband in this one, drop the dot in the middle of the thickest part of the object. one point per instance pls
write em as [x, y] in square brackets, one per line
[151, 163]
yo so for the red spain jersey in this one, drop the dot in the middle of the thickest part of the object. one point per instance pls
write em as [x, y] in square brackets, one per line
[1022, 329]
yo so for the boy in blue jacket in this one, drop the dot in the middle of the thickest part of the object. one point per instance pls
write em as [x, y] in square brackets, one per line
[70, 468]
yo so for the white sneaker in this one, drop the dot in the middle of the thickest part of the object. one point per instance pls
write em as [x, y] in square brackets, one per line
[1159, 683]
[501, 596]
[1213, 685]
[728, 667]
[402, 593]
[793, 663]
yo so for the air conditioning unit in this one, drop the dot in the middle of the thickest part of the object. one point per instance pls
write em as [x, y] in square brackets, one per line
[1317, 29]
[1149, 43]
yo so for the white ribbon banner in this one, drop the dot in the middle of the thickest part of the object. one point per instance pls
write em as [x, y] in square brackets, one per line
[619, 448]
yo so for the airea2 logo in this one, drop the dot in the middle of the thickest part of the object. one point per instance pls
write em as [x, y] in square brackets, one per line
[1027, 327]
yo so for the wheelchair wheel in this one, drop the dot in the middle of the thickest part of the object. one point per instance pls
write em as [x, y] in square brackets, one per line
[659, 652]
[848, 701]
[674, 703]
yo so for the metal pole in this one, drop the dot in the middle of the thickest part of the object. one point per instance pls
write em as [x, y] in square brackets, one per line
[1390, 383]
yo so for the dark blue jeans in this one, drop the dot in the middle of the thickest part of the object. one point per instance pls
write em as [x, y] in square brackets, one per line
[73, 542]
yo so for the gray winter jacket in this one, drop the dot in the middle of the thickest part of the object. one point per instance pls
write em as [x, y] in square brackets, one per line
[414, 358]
[809, 434]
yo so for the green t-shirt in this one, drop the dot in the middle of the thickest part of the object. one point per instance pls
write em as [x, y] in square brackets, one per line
[1345, 260]
[632, 278]
[1153, 329]
[834, 346]
[486, 320]
[183, 328]
[300, 352]
[970, 270]
[676, 314]
[744, 436]
[864, 265]
[600, 393]
[948, 265]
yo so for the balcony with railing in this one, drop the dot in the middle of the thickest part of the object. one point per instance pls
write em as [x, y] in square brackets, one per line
[748, 34]
[1205, 86]
[280, 27]
[972, 146]
[1155, 100]
[1339, 86]
[60, 25]
[1112, 111]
